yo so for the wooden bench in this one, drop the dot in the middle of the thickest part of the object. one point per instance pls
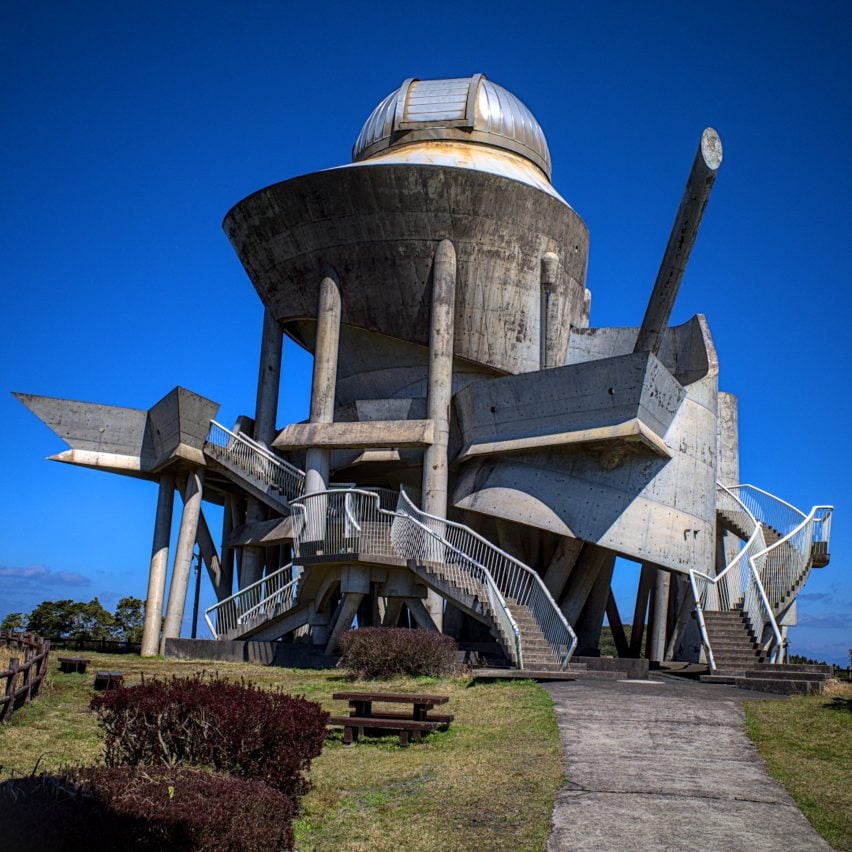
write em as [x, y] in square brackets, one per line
[71, 665]
[362, 703]
[442, 720]
[108, 680]
[353, 725]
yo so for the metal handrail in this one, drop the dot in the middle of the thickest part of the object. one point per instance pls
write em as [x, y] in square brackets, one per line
[793, 549]
[233, 612]
[257, 461]
[382, 532]
[518, 582]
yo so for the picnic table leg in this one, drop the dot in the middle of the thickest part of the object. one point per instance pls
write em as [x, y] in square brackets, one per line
[350, 735]
[403, 739]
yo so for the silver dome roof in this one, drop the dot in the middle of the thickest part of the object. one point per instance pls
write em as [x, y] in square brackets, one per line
[467, 109]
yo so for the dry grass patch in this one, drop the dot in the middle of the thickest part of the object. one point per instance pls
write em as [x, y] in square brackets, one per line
[488, 782]
[806, 742]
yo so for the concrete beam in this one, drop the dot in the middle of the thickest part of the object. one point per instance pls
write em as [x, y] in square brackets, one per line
[262, 533]
[376, 434]
[268, 380]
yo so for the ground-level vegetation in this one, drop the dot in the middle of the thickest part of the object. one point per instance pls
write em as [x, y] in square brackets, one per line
[488, 782]
[806, 743]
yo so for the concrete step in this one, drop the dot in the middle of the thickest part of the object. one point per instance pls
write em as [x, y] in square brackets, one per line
[769, 668]
[758, 674]
[781, 687]
[719, 678]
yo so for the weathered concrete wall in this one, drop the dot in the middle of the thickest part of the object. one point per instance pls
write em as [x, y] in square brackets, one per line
[728, 439]
[178, 425]
[636, 504]
[379, 226]
[566, 404]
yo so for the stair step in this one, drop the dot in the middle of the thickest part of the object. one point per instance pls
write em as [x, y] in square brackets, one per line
[781, 686]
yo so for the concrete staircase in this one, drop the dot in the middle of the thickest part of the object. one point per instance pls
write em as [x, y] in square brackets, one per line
[538, 655]
[786, 679]
[735, 648]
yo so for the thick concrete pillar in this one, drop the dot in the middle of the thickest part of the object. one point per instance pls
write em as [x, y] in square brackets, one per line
[227, 565]
[588, 626]
[183, 554]
[646, 581]
[251, 569]
[210, 555]
[559, 570]
[268, 380]
[592, 561]
[439, 395]
[324, 377]
[393, 607]
[159, 567]
[549, 325]
[658, 622]
[343, 621]
[727, 439]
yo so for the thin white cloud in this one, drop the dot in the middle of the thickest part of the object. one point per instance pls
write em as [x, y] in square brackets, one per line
[36, 576]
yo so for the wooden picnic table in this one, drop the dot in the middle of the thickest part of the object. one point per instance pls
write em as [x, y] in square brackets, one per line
[364, 715]
[362, 703]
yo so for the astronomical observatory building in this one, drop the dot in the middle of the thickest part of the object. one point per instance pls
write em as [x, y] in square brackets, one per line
[478, 453]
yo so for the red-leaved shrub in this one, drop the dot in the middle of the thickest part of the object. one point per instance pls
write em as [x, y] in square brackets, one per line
[234, 728]
[383, 652]
[151, 808]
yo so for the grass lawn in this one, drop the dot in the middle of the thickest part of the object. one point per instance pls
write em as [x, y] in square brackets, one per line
[806, 742]
[488, 782]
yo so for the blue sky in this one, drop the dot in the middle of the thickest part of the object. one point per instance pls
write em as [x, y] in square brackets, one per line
[131, 128]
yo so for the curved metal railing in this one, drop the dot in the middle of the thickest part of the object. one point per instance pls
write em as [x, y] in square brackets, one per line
[762, 578]
[337, 522]
[255, 460]
[267, 598]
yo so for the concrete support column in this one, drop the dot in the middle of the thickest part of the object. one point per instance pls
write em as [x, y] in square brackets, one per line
[268, 380]
[159, 567]
[588, 626]
[658, 622]
[183, 555]
[549, 325]
[559, 570]
[646, 580]
[228, 524]
[211, 557]
[393, 607]
[440, 392]
[343, 621]
[592, 561]
[324, 377]
[251, 569]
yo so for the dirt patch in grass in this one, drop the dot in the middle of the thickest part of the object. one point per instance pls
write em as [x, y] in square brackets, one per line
[488, 782]
[806, 742]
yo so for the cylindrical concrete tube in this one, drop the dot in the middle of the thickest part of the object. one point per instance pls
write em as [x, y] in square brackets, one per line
[708, 158]
[550, 331]
[183, 554]
[659, 618]
[159, 567]
[253, 557]
[322, 399]
[268, 380]
[439, 394]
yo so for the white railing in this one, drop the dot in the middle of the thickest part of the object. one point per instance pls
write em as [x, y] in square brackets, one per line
[256, 461]
[338, 522]
[515, 581]
[267, 598]
[763, 578]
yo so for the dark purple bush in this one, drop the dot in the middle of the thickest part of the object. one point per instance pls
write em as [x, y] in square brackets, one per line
[383, 652]
[234, 728]
[150, 808]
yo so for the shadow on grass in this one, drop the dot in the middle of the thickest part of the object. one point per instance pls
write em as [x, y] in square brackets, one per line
[841, 704]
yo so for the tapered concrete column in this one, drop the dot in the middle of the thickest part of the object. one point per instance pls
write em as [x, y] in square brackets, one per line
[440, 392]
[251, 569]
[549, 313]
[159, 567]
[659, 618]
[702, 176]
[324, 377]
[183, 554]
[268, 380]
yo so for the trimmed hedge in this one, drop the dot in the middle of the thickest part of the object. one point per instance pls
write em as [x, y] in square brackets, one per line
[152, 809]
[385, 652]
[234, 728]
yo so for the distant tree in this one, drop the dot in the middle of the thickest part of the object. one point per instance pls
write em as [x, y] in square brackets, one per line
[55, 619]
[128, 619]
[67, 619]
[13, 621]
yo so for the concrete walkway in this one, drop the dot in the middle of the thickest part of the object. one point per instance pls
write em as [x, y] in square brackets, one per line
[666, 765]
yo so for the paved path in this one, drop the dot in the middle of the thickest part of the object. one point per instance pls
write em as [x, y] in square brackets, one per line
[666, 765]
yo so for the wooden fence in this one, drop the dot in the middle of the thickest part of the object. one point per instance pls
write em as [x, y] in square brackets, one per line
[22, 681]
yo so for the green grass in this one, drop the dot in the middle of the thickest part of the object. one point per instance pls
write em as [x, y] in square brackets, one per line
[488, 782]
[806, 743]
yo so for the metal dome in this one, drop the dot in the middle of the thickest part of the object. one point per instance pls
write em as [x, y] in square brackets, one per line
[467, 109]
